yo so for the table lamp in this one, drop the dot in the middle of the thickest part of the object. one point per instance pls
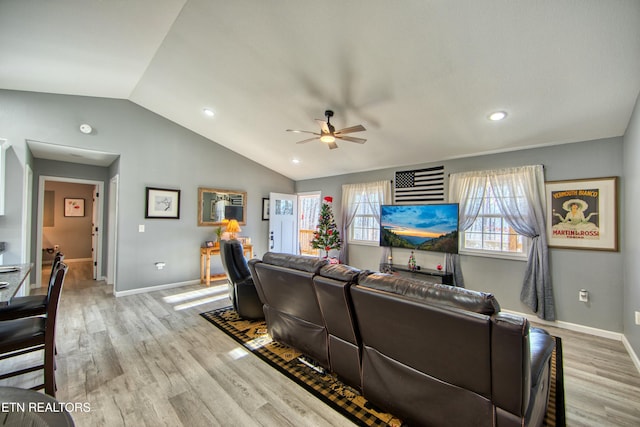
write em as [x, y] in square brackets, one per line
[233, 227]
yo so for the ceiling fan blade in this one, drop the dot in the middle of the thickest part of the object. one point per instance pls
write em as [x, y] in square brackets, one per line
[357, 128]
[303, 131]
[306, 140]
[332, 145]
[324, 126]
[352, 139]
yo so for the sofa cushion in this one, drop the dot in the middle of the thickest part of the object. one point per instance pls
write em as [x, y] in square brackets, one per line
[433, 293]
[340, 272]
[297, 262]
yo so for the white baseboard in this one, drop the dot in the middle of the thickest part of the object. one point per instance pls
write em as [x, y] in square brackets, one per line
[156, 288]
[617, 336]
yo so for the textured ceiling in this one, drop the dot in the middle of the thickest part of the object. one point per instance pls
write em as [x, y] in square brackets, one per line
[421, 76]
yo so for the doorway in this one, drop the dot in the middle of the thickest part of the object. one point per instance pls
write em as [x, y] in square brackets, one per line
[283, 223]
[308, 212]
[70, 221]
[292, 222]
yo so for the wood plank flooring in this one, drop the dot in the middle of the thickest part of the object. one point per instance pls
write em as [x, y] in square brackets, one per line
[151, 360]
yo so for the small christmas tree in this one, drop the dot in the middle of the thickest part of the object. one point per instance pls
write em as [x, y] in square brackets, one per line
[412, 262]
[326, 236]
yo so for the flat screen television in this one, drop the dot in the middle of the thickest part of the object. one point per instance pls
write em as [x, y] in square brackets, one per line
[420, 227]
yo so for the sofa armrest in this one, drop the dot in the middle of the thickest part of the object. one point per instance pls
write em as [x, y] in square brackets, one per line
[510, 363]
[541, 346]
[256, 280]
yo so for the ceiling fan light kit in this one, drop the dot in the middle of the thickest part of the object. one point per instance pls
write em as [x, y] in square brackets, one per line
[327, 138]
[328, 134]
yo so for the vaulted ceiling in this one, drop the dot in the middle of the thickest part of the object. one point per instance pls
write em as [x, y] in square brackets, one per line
[421, 76]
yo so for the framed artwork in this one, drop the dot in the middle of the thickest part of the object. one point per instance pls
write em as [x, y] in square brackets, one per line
[265, 209]
[583, 214]
[73, 207]
[162, 203]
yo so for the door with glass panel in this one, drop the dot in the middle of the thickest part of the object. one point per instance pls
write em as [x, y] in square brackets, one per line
[283, 223]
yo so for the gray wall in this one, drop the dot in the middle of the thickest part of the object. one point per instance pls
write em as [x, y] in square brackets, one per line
[598, 272]
[153, 152]
[632, 228]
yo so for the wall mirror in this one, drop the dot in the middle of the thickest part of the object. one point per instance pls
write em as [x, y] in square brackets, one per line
[214, 206]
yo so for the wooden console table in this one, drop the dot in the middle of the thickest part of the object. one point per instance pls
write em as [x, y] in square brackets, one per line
[205, 263]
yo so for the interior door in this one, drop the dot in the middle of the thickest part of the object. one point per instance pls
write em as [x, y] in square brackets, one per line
[283, 223]
[94, 232]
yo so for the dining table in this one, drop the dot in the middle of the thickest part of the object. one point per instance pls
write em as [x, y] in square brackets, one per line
[12, 278]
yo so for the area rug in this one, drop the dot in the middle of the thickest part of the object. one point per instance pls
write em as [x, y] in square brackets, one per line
[342, 398]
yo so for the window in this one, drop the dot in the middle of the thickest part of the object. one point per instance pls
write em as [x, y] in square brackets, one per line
[361, 211]
[490, 234]
[365, 227]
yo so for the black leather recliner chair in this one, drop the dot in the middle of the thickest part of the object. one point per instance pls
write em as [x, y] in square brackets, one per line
[242, 291]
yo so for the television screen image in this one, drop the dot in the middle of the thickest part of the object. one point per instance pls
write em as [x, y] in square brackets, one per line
[420, 227]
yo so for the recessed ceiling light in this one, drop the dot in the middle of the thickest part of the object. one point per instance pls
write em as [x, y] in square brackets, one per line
[208, 112]
[497, 116]
[295, 161]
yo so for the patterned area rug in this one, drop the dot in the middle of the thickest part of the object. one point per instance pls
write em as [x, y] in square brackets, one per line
[344, 399]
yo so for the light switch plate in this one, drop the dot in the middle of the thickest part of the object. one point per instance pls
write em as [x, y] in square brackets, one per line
[141, 228]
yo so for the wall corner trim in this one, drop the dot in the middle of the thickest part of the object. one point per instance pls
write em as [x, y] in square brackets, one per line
[634, 356]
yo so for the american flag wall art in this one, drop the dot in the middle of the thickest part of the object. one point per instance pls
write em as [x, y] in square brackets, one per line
[419, 186]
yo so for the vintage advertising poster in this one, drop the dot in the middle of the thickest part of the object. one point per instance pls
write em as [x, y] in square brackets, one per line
[581, 214]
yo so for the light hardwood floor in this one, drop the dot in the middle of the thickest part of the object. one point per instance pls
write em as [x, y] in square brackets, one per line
[150, 359]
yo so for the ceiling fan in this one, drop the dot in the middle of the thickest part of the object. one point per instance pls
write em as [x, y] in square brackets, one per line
[328, 134]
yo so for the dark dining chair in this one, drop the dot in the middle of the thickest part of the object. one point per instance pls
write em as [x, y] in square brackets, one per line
[25, 335]
[32, 305]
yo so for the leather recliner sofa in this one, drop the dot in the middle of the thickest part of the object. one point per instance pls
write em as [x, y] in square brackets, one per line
[430, 354]
[439, 355]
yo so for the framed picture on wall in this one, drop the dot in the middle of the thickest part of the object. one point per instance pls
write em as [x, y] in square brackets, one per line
[73, 207]
[162, 203]
[583, 214]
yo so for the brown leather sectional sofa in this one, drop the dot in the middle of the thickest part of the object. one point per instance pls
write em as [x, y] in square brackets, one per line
[430, 354]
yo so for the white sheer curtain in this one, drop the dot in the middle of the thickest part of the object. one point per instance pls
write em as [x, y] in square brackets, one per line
[353, 195]
[309, 211]
[521, 200]
[467, 189]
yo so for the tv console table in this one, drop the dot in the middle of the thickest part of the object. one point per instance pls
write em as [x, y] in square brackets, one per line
[444, 277]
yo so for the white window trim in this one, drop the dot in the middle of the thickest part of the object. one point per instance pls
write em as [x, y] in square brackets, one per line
[353, 241]
[383, 192]
[491, 254]
[487, 253]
